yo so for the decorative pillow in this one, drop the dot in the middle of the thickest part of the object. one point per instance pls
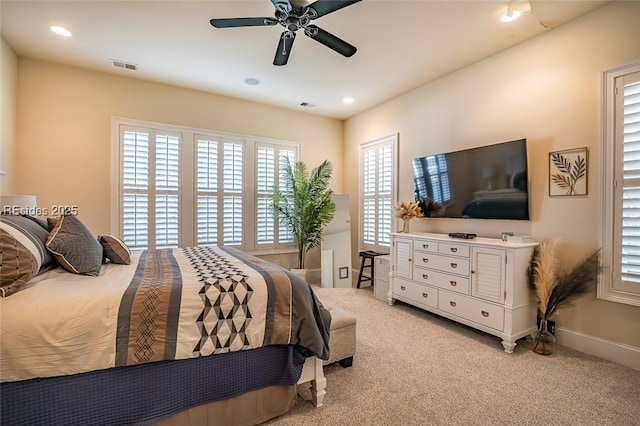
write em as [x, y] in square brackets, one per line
[31, 230]
[73, 245]
[20, 262]
[115, 249]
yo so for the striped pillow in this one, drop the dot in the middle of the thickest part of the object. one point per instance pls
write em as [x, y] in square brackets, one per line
[115, 249]
[31, 229]
[20, 260]
[73, 245]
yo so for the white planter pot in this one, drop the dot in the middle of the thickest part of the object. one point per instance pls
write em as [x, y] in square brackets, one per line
[302, 273]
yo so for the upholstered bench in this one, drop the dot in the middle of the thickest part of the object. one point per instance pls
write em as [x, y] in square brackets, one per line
[342, 341]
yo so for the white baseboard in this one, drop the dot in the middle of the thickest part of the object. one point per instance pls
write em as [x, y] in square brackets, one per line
[619, 353]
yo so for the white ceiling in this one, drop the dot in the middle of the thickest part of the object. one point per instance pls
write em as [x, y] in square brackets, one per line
[401, 44]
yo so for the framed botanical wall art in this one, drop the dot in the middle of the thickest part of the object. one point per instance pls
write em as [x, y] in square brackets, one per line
[568, 172]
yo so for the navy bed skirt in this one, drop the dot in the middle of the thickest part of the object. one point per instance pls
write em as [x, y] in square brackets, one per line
[146, 393]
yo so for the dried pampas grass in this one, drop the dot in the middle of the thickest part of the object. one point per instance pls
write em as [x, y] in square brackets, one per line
[407, 210]
[553, 290]
[542, 272]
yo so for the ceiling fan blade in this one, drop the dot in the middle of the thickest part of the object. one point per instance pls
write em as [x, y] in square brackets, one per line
[284, 48]
[331, 41]
[324, 7]
[282, 5]
[242, 22]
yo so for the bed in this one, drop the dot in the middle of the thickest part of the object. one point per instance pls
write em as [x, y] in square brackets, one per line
[197, 335]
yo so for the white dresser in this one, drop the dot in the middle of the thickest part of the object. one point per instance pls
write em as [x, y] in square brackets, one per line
[480, 282]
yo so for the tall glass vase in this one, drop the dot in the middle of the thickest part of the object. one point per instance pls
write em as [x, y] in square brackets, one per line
[543, 341]
[405, 224]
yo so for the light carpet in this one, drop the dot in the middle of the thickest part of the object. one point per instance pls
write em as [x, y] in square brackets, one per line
[416, 368]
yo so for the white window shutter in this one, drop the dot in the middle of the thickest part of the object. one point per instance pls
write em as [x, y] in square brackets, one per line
[378, 180]
[630, 232]
[265, 180]
[135, 218]
[207, 183]
[160, 181]
[167, 210]
[233, 185]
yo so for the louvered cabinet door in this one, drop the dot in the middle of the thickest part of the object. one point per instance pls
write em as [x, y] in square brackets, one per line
[403, 261]
[488, 274]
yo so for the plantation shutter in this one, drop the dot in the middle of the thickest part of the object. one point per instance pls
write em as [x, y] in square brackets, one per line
[630, 218]
[135, 177]
[167, 212]
[232, 195]
[207, 191]
[377, 183]
[179, 186]
[269, 168]
[150, 188]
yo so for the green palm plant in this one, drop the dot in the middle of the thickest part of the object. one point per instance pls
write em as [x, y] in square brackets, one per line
[303, 204]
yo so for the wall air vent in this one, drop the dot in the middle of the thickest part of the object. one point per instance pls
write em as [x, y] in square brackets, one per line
[307, 104]
[121, 64]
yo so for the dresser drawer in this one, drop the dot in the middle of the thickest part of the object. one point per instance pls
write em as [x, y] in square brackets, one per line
[442, 280]
[425, 245]
[461, 250]
[414, 292]
[474, 310]
[447, 264]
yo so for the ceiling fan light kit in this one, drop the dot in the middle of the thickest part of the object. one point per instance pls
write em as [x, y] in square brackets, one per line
[514, 9]
[294, 15]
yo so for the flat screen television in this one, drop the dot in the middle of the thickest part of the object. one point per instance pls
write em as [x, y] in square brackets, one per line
[487, 182]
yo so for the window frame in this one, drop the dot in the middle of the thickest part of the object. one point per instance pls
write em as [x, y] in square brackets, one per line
[610, 286]
[188, 180]
[389, 140]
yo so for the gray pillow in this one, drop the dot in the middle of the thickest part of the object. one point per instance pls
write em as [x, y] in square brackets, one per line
[115, 249]
[73, 245]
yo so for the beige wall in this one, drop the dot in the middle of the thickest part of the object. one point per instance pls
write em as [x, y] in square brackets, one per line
[64, 130]
[546, 90]
[8, 99]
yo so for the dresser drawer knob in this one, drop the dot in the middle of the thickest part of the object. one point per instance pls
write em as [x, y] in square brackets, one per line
[485, 314]
[403, 288]
[453, 283]
[454, 265]
[425, 260]
[425, 295]
[453, 249]
[425, 246]
[452, 303]
[425, 276]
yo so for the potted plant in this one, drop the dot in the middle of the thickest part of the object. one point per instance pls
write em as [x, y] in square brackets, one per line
[303, 204]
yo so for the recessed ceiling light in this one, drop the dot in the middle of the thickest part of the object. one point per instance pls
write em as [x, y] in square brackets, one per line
[252, 81]
[60, 30]
[347, 100]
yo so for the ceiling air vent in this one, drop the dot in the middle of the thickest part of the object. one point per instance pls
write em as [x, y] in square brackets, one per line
[307, 104]
[121, 64]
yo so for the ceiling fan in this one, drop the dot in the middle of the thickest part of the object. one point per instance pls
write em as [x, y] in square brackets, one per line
[294, 15]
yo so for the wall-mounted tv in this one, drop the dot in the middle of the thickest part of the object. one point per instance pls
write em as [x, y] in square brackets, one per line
[487, 182]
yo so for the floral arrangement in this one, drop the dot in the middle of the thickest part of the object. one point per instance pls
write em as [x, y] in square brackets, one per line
[554, 290]
[429, 207]
[407, 210]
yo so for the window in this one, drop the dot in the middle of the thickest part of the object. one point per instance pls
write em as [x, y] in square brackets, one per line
[269, 169]
[184, 187]
[219, 187]
[620, 227]
[377, 180]
[150, 169]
